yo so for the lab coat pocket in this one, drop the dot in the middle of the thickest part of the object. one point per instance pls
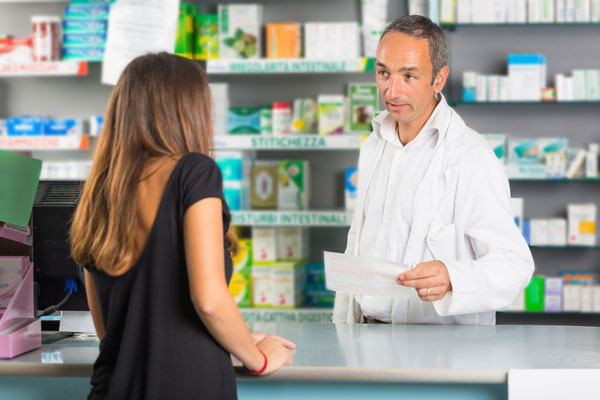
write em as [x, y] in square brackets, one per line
[441, 241]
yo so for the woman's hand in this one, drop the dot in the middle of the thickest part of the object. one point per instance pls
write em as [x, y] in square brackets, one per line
[278, 351]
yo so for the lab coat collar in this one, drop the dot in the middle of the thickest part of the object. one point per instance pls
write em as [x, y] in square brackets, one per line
[384, 126]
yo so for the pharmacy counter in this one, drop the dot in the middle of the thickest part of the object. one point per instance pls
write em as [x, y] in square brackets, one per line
[354, 361]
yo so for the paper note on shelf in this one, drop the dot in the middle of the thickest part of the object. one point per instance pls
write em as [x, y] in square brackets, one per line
[364, 276]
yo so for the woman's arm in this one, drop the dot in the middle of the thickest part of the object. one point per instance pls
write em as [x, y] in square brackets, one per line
[94, 305]
[203, 237]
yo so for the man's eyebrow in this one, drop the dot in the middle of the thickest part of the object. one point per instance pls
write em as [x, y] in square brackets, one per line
[403, 69]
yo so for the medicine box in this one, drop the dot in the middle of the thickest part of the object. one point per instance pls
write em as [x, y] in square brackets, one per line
[350, 187]
[234, 165]
[523, 151]
[220, 107]
[85, 25]
[28, 126]
[305, 116]
[363, 103]
[243, 120]
[293, 190]
[240, 27]
[240, 287]
[84, 11]
[497, 142]
[237, 195]
[63, 127]
[96, 122]
[292, 243]
[287, 284]
[527, 76]
[557, 232]
[84, 39]
[538, 232]
[264, 185]
[284, 40]
[331, 114]
[264, 246]
[261, 285]
[516, 204]
[242, 261]
[88, 53]
[582, 224]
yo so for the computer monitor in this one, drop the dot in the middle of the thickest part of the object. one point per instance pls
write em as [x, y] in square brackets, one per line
[53, 209]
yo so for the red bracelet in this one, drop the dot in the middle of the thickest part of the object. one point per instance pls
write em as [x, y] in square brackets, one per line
[260, 371]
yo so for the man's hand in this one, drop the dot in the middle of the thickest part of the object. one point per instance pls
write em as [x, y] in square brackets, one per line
[430, 279]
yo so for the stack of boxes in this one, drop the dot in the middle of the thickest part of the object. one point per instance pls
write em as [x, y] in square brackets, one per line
[278, 269]
[316, 294]
[582, 85]
[85, 29]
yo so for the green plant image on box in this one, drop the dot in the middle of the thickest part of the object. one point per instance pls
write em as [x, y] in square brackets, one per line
[242, 43]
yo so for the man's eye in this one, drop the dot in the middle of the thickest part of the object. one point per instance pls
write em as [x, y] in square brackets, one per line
[382, 73]
[410, 77]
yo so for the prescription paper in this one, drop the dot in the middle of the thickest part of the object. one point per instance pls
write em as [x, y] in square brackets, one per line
[364, 276]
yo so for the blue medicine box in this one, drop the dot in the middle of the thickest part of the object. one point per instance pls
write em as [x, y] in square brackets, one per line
[84, 39]
[63, 127]
[85, 25]
[24, 126]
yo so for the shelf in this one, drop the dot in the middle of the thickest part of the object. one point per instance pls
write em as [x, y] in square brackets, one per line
[290, 66]
[518, 25]
[44, 143]
[548, 313]
[291, 218]
[273, 315]
[573, 247]
[289, 142]
[51, 68]
[523, 103]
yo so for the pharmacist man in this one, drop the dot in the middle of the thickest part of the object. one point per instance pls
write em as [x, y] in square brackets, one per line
[432, 195]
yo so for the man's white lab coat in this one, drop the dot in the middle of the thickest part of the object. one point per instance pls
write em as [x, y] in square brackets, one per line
[462, 217]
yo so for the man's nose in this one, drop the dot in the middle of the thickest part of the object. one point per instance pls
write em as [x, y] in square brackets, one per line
[396, 87]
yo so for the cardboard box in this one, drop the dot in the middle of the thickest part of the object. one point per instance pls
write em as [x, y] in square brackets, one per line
[350, 187]
[527, 76]
[264, 246]
[284, 40]
[582, 224]
[293, 192]
[63, 127]
[24, 126]
[331, 114]
[242, 261]
[497, 142]
[240, 287]
[237, 195]
[261, 285]
[243, 120]
[264, 185]
[287, 284]
[240, 27]
[363, 103]
[292, 243]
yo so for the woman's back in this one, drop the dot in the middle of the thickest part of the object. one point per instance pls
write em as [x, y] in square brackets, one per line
[156, 346]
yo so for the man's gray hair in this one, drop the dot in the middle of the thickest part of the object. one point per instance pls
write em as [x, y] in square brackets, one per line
[421, 27]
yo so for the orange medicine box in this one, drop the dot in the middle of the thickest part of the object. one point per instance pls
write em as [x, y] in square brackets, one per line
[284, 40]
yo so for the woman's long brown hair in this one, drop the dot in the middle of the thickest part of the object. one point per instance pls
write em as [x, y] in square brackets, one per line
[160, 108]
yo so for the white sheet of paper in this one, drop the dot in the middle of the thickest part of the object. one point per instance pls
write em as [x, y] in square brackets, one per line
[364, 276]
[76, 322]
[553, 384]
[137, 27]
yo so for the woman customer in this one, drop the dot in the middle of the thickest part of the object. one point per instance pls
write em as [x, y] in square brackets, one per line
[150, 231]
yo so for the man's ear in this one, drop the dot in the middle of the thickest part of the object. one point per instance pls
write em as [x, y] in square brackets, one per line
[440, 79]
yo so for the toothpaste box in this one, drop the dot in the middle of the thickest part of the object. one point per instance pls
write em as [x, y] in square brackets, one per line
[363, 103]
[240, 287]
[293, 192]
[63, 127]
[264, 245]
[87, 11]
[84, 39]
[287, 284]
[28, 126]
[242, 261]
[85, 25]
[243, 120]
[264, 185]
[261, 285]
[88, 53]
[240, 28]
[292, 243]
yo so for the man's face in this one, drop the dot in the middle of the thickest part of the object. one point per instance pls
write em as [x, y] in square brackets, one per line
[403, 74]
